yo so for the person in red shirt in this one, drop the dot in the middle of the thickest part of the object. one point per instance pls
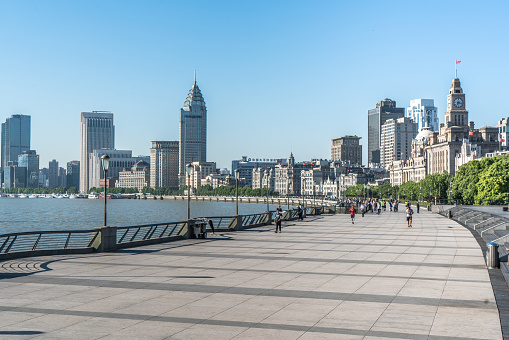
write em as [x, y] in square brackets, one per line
[352, 213]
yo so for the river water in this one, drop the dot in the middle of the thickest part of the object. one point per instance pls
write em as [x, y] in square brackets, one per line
[25, 214]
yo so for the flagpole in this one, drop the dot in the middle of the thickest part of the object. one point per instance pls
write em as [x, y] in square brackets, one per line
[455, 69]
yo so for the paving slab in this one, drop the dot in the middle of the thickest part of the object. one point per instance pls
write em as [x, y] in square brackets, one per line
[321, 278]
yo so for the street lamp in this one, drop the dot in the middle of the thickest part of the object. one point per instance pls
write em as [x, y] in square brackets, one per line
[288, 192]
[266, 173]
[189, 168]
[237, 191]
[106, 165]
[314, 188]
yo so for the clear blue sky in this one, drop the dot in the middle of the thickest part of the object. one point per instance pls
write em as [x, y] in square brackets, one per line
[277, 76]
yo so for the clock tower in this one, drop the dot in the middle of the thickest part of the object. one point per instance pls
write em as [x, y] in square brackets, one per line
[456, 114]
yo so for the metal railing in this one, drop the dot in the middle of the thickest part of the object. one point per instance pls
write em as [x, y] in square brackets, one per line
[254, 220]
[221, 222]
[137, 233]
[37, 243]
[444, 201]
[47, 240]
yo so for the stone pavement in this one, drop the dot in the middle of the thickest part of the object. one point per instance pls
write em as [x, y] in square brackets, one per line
[323, 278]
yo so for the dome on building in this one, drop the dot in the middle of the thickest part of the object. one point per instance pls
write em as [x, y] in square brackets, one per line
[424, 134]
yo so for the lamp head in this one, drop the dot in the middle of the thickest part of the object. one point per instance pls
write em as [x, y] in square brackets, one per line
[189, 168]
[237, 173]
[106, 162]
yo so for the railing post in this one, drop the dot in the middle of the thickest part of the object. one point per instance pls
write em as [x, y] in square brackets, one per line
[236, 223]
[107, 240]
[269, 218]
[185, 232]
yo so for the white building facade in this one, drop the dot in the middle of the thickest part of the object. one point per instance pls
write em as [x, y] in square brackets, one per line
[503, 132]
[396, 140]
[136, 177]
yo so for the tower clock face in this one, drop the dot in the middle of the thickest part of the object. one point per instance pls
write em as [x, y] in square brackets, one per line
[458, 102]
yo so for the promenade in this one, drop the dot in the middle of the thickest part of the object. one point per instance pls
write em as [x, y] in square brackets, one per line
[322, 278]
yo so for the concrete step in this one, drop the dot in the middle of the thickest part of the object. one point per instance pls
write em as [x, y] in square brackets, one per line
[489, 237]
[501, 233]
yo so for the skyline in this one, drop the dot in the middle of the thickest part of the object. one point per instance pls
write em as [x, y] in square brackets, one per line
[298, 72]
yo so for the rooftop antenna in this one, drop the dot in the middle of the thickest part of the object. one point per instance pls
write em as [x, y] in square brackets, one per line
[194, 77]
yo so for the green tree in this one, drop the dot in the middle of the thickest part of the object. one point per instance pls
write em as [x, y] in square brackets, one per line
[494, 181]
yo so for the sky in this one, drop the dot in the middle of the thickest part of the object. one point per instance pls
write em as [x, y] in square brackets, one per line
[277, 76]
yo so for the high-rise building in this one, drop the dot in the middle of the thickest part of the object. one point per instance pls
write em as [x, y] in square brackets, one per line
[424, 113]
[43, 177]
[15, 138]
[346, 149]
[384, 110]
[193, 130]
[62, 177]
[164, 164]
[97, 132]
[73, 174]
[30, 161]
[396, 140]
[53, 174]
[14, 176]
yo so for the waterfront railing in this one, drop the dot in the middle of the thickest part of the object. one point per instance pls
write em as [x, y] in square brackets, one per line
[39, 243]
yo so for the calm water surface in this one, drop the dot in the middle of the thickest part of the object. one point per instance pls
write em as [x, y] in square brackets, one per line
[26, 214]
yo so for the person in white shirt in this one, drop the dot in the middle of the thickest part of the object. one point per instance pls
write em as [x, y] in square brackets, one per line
[409, 213]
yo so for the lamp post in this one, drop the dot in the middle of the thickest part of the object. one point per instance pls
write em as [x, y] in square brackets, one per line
[314, 188]
[237, 191]
[420, 192]
[266, 173]
[288, 192]
[106, 165]
[189, 168]
[450, 191]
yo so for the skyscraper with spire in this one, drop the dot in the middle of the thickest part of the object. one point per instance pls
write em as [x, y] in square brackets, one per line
[192, 130]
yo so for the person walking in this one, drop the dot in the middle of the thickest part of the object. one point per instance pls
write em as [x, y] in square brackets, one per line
[211, 226]
[279, 210]
[363, 208]
[352, 213]
[277, 220]
[300, 211]
[418, 206]
[409, 213]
